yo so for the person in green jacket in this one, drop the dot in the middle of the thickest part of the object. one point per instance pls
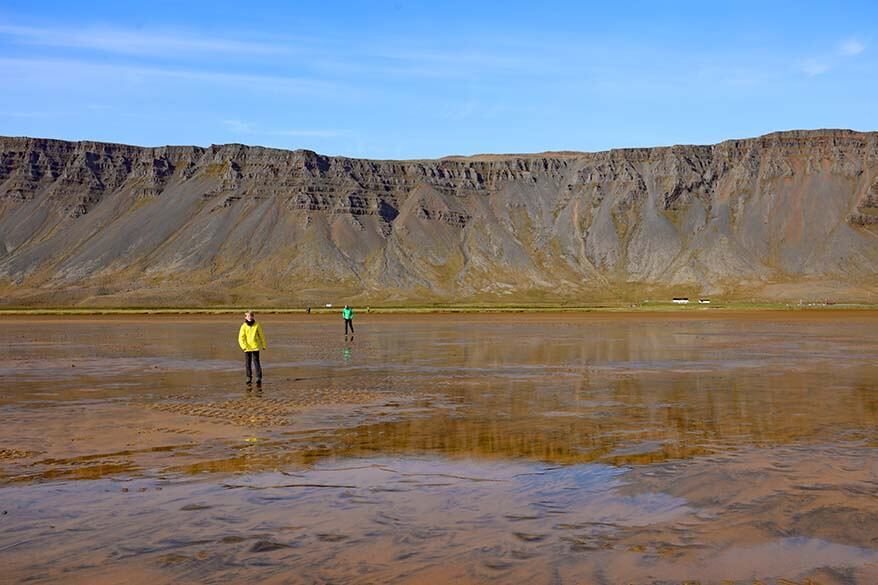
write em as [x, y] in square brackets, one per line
[251, 338]
[348, 314]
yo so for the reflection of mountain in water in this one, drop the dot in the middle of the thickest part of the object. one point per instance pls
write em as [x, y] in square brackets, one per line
[636, 422]
[627, 420]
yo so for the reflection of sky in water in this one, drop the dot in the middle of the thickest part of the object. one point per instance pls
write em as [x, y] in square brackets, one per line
[584, 493]
[421, 513]
[360, 498]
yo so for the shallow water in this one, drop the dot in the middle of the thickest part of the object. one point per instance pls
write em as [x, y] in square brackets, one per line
[592, 448]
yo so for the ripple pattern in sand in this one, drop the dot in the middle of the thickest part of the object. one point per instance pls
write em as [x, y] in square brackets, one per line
[255, 409]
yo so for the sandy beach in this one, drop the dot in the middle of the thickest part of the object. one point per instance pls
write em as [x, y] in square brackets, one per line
[543, 448]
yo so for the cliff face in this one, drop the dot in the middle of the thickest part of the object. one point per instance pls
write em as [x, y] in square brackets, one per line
[788, 215]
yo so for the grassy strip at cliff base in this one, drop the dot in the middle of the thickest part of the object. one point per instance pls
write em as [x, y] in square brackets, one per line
[650, 306]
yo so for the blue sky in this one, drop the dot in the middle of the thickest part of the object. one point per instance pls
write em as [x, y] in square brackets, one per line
[422, 80]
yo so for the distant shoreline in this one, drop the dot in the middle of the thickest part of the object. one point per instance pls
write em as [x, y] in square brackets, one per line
[647, 307]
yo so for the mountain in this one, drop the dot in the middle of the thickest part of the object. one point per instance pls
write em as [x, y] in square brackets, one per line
[790, 215]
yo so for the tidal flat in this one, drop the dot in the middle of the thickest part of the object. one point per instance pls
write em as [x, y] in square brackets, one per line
[643, 448]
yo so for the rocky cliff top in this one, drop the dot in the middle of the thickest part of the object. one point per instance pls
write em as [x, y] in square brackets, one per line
[782, 139]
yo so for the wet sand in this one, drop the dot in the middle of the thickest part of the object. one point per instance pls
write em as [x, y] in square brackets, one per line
[538, 448]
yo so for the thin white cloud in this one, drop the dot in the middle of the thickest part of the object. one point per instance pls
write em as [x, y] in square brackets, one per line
[824, 63]
[34, 115]
[338, 56]
[306, 133]
[479, 60]
[60, 71]
[813, 67]
[239, 127]
[409, 60]
[401, 59]
[459, 111]
[133, 42]
[852, 47]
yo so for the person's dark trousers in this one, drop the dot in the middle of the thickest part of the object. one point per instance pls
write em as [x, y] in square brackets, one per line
[348, 323]
[251, 358]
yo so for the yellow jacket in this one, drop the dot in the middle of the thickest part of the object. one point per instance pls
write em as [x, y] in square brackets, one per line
[250, 337]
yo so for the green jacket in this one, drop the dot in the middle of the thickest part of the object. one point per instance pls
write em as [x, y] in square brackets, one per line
[347, 313]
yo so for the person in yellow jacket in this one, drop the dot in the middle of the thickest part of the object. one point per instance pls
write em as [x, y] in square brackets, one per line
[251, 338]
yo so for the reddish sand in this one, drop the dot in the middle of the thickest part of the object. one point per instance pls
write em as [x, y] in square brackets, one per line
[597, 448]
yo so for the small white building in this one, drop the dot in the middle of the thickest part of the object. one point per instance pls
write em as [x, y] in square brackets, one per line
[704, 301]
[681, 300]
